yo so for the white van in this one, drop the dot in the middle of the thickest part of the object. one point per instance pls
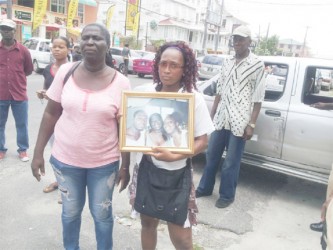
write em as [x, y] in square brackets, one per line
[40, 50]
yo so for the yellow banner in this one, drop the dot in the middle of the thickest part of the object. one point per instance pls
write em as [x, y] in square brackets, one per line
[39, 13]
[72, 12]
[136, 24]
[132, 10]
[109, 15]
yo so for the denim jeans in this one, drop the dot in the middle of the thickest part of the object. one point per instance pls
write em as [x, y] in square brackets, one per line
[73, 182]
[218, 142]
[20, 113]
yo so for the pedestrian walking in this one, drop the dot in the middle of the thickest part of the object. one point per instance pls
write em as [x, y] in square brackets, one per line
[60, 50]
[15, 66]
[82, 111]
[240, 91]
[126, 53]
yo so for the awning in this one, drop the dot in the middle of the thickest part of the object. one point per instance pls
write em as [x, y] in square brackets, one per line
[52, 27]
[88, 2]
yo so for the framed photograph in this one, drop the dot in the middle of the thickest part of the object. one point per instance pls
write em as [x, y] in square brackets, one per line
[158, 119]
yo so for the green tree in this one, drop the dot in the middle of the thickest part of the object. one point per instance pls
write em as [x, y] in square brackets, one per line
[267, 46]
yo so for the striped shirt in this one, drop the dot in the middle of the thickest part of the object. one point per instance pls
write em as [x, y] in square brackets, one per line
[239, 86]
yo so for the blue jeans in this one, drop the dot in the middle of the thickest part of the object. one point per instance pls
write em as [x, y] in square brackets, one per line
[218, 142]
[20, 113]
[73, 182]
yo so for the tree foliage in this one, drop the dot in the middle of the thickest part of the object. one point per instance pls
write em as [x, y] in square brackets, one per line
[267, 46]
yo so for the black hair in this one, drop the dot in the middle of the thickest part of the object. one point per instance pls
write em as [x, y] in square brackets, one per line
[65, 39]
[190, 68]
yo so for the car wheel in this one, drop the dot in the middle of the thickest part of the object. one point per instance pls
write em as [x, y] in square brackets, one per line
[141, 75]
[121, 68]
[36, 67]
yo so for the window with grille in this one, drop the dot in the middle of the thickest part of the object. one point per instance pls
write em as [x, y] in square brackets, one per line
[80, 12]
[58, 6]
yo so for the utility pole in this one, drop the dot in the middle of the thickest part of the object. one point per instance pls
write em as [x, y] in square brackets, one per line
[126, 17]
[146, 36]
[266, 42]
[9, 9]
[206, 25]
[219, 28]
[304, 41]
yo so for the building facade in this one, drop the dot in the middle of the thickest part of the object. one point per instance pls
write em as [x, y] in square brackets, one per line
[55, 19]
[183, 20]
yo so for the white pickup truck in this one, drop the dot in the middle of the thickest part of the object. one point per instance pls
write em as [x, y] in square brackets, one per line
[291, 137]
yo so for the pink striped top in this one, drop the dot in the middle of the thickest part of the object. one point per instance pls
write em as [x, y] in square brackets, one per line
[86, 132]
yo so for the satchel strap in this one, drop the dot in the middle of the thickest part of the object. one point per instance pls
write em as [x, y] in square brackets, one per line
[71, 71]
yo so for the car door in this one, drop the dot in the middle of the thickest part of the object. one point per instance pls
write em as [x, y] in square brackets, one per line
[270, 126]
[309, 131]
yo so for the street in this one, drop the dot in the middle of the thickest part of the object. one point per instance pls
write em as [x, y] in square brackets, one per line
[271, 210]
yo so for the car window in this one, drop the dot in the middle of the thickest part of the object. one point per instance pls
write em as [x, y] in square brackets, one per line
[318, 85]
[149, 56]
[135, 54]
[211, 89]
[33, 44]
[116, 51]
[214, 60]
[44, 46]
[276, 78]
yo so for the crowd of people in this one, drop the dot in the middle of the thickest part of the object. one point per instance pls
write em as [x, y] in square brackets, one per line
[87, 159]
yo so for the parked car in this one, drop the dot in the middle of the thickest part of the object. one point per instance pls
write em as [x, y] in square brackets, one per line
[40, 52]
[119, 61]
[144, 66]
[142, 53]
[211, 65]
[290, 136]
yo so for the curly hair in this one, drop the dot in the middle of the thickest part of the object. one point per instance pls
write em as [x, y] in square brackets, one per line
[190, 69]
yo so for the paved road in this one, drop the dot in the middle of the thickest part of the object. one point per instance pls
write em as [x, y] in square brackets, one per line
[271, 211]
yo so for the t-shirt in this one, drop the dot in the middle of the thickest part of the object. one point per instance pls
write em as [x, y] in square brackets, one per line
[86, 132]
[125, 52]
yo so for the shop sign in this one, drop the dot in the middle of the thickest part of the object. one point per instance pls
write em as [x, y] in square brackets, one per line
[26, 32]
[22, 15]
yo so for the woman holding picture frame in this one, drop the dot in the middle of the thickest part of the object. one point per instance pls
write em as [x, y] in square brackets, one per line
[175, 70]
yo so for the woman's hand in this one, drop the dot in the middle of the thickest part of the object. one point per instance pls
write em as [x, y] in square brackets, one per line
[38, 167]
[124, 175]
[123, 178]
[163, 154]
[41, 94]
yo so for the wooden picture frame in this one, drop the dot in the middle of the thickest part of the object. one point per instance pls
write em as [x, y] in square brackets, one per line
[157, 119]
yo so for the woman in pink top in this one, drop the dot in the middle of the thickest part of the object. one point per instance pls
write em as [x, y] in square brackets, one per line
[82, 113]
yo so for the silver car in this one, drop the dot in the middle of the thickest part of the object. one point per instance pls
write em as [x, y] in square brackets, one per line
[119, 65]
[211, 65]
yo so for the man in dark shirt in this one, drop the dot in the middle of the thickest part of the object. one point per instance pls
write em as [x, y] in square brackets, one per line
[15, 65]
[77, 56]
